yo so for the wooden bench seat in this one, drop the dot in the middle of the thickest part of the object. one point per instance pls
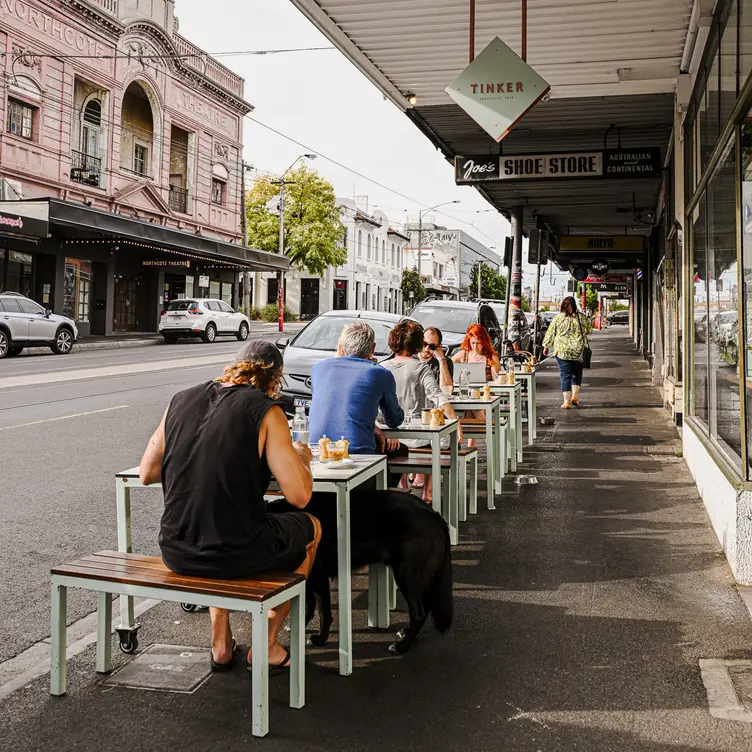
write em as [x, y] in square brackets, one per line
[113, 572]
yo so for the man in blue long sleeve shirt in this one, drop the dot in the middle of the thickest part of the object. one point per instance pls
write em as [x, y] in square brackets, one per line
[349, 390]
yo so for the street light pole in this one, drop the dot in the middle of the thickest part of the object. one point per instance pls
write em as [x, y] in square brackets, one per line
[280, 274]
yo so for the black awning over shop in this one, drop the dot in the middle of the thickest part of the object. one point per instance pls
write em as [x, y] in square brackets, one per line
[70, 220]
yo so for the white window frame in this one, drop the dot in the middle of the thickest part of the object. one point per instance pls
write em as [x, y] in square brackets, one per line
[24, 110]
[147, 153]
[223, 192]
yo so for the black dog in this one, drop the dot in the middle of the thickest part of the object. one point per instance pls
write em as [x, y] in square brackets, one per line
[395, 528]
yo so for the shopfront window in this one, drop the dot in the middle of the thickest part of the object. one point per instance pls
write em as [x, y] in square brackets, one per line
[746, 218]
[722, 308]
[745, 40]
[20, 276]
[700, 314]
[77, 289]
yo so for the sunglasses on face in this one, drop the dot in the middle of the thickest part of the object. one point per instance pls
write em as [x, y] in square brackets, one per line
[431, 346]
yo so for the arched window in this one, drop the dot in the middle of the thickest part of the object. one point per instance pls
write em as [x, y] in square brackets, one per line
[383, 251]
[393, 256]
[368, 247]
[90, 127]
[360, 243]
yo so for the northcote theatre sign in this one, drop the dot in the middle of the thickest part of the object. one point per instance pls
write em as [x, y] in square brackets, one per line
[611, 163]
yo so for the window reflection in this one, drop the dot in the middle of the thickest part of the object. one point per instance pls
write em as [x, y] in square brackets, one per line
[700, 311]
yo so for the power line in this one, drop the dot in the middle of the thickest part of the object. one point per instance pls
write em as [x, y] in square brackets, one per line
[168, 56]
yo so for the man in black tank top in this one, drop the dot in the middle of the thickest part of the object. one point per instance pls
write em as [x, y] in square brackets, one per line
[215, 451]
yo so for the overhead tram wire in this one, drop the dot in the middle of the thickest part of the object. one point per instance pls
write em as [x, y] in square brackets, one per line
[169, 56]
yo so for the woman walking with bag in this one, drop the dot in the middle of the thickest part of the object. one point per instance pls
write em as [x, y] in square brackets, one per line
[567, 337]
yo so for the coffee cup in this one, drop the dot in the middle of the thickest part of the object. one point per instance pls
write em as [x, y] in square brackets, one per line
[475, 394]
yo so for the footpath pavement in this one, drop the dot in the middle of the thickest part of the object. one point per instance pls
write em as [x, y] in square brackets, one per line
[583, 606]
[123, 341]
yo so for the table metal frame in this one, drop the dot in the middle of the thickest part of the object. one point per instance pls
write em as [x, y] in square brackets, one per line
[434, 435]
[340, 481]
[514, 394]
[530, 398]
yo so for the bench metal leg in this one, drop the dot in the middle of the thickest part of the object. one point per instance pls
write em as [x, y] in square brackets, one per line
[104, 632]
[392, 589]
[436, 473]
[452, 489]
[125, 544]
[474, 485]
[297, 648]
[58, 639]
[463, 490]
[260, 672]
[378, 595]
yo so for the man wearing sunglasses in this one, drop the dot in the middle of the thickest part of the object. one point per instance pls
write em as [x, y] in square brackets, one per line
[433, 354]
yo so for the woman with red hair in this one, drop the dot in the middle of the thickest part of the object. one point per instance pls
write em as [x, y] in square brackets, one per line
[477, 348]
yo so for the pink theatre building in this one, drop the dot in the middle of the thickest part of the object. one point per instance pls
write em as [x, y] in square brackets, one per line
[120, 163]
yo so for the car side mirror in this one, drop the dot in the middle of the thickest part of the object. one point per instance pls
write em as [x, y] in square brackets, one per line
[282, 343]
[47, 312]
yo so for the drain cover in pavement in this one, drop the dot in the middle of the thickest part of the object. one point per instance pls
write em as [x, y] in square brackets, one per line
[165, 668]
[729, 688]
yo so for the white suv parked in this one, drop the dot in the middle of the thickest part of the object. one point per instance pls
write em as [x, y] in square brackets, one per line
[201, 317]
[24, 323]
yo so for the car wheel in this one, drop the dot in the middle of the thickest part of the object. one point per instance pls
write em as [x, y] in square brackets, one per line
[63, 343]
[242, 334]
[170, 340]
[4, 344]
[210, 333]
[14, 350]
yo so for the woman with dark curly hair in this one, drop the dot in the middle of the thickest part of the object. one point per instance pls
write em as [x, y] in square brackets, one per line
[416, 384]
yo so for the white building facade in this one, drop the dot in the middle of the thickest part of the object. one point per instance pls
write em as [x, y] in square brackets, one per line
[369, 281]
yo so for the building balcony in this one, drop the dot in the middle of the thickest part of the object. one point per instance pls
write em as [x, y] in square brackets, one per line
[207, 66]
[178, 199]
[85, 169]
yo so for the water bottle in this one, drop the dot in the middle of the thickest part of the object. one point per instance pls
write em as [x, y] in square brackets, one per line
[465, 384]
[300, 430]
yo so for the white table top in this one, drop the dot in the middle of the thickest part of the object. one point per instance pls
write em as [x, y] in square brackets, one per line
[333, 473]
[480, 402]
[498, 387]
[417, 426]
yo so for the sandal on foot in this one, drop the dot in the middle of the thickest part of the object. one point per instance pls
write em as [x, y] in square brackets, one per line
[418, 483]
[566, 405]
[575, 402]
[220, 667]
[277, 668]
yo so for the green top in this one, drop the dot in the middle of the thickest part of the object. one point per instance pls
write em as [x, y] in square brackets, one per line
[567, 338]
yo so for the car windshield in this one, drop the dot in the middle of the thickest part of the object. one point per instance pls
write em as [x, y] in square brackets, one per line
[323, 333]
[180, 305]
[445, 319]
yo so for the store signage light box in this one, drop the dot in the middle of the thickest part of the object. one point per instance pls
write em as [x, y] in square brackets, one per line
[497, 89]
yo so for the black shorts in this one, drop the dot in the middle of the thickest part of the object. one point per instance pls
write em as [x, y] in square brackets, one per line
[292, 532]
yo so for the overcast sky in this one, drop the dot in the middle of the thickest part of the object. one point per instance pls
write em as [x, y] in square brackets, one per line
[322, 101]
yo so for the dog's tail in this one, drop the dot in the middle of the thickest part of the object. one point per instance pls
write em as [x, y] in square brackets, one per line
[440, 591]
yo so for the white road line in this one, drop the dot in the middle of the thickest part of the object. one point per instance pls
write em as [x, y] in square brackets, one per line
[121, 370]
[64, 417]
[34, 662]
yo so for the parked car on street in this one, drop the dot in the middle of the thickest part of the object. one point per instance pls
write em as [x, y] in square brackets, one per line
[618, 317]
[206, 318]
[318, 341]
[454, 316]
[24, 323]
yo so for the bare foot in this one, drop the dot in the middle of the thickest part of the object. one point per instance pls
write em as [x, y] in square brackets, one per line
[222, 648]
[566, 405]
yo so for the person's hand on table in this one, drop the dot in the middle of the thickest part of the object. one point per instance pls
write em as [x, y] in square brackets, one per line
[392, 445]
[304, 452]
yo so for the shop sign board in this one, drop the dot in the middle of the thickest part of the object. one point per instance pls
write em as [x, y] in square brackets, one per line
[612, 163]
[30, 218]
[203, 280]
[601, 243]
[615, 279]
[608, 287]
[497, 89]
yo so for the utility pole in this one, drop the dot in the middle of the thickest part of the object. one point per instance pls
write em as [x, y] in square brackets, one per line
[281, 274]
[535, 307]
[244, 227]
[514, 312]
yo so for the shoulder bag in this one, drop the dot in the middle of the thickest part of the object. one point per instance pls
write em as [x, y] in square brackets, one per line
[587, 353]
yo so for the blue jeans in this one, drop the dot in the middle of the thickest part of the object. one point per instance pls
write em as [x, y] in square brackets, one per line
[570, 372]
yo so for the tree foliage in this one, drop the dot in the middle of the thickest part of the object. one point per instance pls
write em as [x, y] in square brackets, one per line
[314, 232]
[412, 283]
[492, 284]
[591, 297]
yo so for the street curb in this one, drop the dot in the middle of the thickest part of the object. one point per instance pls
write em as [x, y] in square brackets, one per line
[128, 343]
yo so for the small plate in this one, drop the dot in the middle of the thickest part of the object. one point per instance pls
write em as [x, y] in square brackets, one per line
[338, 463]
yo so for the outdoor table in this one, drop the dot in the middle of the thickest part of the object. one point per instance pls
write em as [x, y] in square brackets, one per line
[495, 450]
[434, 436]
[528, 380]
[340, 480]
[512, 393]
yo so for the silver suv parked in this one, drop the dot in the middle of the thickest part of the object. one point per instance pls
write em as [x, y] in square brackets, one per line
[24, 323]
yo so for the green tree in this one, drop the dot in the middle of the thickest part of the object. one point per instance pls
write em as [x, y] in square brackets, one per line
[313, 228]
[526, 305]
[412, 283]
[591, 297]
[492, 284]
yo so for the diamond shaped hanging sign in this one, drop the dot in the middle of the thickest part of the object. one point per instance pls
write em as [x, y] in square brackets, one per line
[497, 89]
